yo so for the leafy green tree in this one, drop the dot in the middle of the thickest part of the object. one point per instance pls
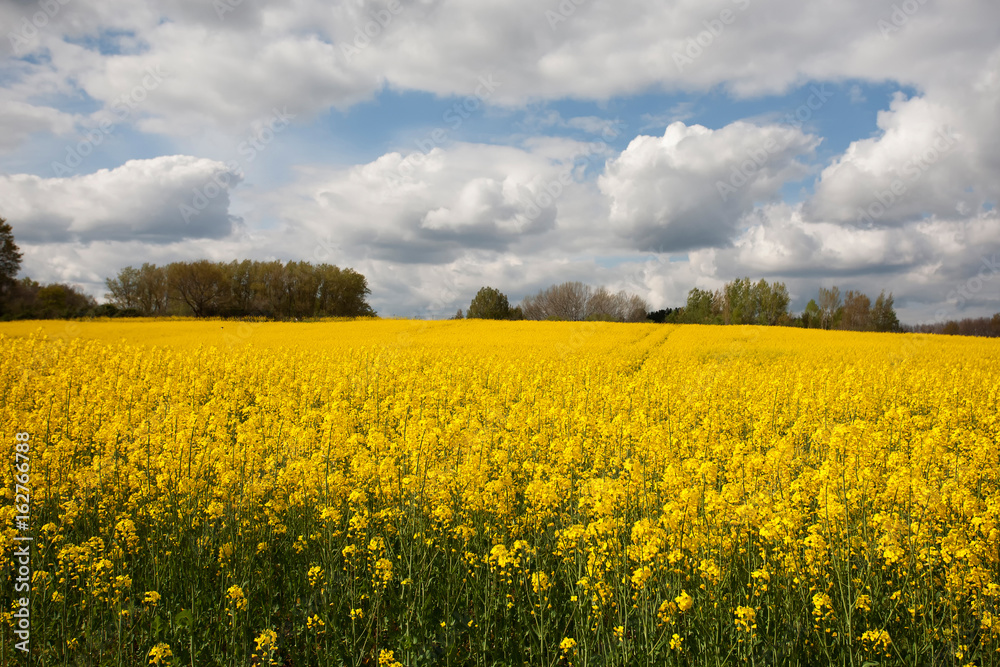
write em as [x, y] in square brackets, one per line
[60, 300]
[883, 314]
[489, 304]
[772, 303]
[201, 286]
[241, 288]
[660, 316]
[302, 284]
[152, 292]
[343, 292]
[123, 289]
[10, 261]
[701, 307]
[738, 306]
[742, 301]
[811, 316]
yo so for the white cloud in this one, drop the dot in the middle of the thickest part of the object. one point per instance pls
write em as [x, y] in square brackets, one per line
[689, 188]
[921, 262]
[934, 156]
[141, 200]
[432, 207]
[313, 55]
[18, 120]
[465, 215]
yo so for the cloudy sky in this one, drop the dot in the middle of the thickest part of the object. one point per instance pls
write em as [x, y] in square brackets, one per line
[441, 145]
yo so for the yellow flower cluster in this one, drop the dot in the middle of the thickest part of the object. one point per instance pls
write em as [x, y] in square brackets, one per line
[591, 485]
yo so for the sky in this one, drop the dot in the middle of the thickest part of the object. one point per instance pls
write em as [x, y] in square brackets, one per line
[438, 146]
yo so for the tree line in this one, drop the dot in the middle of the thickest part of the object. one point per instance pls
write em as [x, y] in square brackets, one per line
[970, 326]
[26, 298]
[743, 301]
[241, 288]
[569, 301]
[301, 290]
[235, 289]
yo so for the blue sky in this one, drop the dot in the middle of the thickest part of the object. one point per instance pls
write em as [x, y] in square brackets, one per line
[647, 146]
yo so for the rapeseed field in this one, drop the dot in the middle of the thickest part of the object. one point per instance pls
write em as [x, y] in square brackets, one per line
[500, 493]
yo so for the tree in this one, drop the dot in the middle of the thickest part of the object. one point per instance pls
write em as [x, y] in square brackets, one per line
[566, 301]
[301, 289]
[619, 307]
[199, 285]
[742, 301]
[660, 316]
[241, 288]
[738, 303]
[10, 261]
[633, 307]
[152, 293]
[342, 292]
[771, 302]
[829, 307]
[883, 315]
[61, 300]
[701, 308]
[123, 290]
[268, 288]
[601, 305]
[19, 302]
[459, 315]
[811, 317]
[489, 304]
[857, 315]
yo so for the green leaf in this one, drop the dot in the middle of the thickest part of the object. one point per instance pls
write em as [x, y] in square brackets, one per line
[184, 619]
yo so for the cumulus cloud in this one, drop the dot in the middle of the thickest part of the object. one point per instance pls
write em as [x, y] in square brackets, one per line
[689, 188]
[18, 120]
[924, 263]
[932, 157]
[429, 230]
[141, 200]
[237, 64]
[431, 207]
